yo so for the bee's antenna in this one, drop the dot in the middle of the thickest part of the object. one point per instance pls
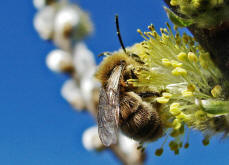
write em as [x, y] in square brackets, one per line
[118, 33]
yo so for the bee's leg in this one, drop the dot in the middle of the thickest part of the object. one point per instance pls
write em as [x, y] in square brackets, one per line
[123, 83]
[149, 94]
[141, 147]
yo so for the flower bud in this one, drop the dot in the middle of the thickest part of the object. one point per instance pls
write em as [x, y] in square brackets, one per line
[162, 100]
[83, 60]
[181, 56]
[71, 25]
[178, 71]
[166, 62]
[192, 57]
[43, 22]
[59, 61]
[71, 92]
[39, 4]
[91, 139]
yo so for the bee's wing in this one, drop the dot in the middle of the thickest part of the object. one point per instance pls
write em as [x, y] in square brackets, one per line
[108, 113]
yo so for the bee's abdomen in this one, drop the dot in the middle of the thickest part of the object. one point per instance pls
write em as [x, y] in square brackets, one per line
[143, 124]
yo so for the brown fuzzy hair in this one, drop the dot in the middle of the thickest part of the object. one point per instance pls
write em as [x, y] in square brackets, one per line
[109, 63]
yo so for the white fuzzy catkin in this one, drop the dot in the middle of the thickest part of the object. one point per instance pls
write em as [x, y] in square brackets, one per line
[70, 25]
[85, 67]
[59, 61]
[67, 15]
[90, 139]
[39, 4]
[71, 92]
[87, 85]
[83, 59]
[129, 147]
[44, 21]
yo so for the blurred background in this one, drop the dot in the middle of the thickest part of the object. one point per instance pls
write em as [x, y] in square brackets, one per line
[37, 126]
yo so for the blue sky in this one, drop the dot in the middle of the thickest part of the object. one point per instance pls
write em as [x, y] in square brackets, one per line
[37, 126]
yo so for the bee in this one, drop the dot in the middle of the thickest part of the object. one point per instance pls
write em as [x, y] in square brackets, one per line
[120, 106]
[219, 124]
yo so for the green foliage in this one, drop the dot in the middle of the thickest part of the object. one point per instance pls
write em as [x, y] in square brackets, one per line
[203, 13]
[179, 21]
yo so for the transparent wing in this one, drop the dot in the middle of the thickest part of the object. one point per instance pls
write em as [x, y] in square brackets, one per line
[107, 126]
[108, 113]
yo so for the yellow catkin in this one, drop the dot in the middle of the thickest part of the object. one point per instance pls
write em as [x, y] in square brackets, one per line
[173, 2]
[176, 152]
[183, 117]
[167, 95]
[174, 105]
[186, 145]
[185, 38]
[159, 152]
[173, 145]
[176, 64]
[191, 87]
[175, 111]
[166, 62]
[162, 100]
[176, 124]
[216, 91]
[192, 57]
[205, 141]
[203, 58]
[182, 56]
[178, 71]
[164, 37]
[187, 93]
[196, 3]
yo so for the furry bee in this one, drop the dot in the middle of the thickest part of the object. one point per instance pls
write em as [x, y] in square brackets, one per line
[219, 124]
[120, 106]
